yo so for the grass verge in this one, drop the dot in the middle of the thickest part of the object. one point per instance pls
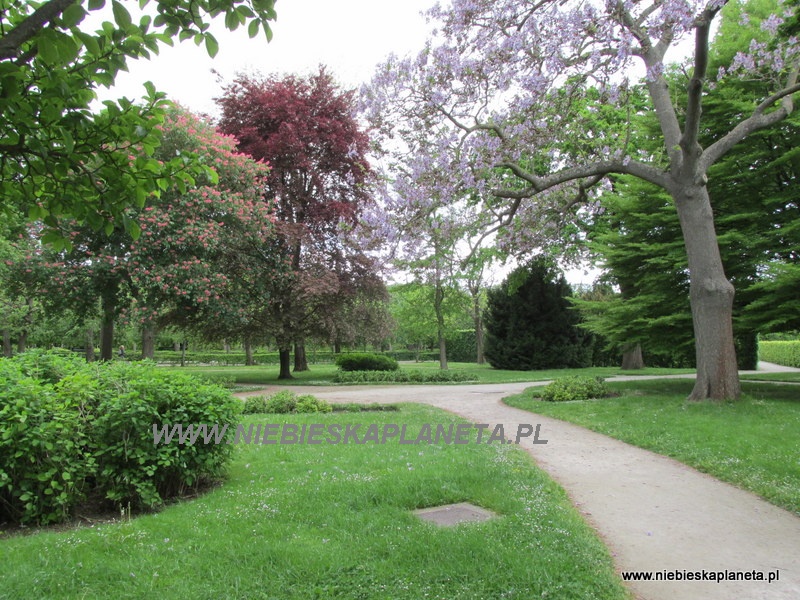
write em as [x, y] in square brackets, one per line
[751, 443]
[333, 521]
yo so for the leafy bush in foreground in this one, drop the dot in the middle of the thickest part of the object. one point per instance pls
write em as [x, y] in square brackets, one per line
[366, 362]
[575, 388]
[72, 429]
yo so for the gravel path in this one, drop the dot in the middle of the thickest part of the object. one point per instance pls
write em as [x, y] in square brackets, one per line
[653, 513]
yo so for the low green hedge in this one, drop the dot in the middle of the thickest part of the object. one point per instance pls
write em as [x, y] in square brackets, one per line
[71, 430]
[402, 376]
[780, 353]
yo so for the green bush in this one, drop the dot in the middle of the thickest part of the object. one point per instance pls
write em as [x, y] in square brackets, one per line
[71, 429]
[311, 404]
[374, 407]
[43, 457]
[575, 388]
[786, 353]
[137, 397]
[255, 405]
[285, 402]
[363, 361]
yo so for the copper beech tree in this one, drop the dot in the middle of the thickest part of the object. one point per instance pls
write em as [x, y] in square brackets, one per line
[319, 180]
[490, 99]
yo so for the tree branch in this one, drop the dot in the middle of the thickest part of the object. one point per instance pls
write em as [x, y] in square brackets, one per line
[760, 119]
[538, 185]
[12, 42]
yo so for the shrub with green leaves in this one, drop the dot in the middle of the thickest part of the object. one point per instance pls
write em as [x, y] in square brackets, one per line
[285, 402]
[135, 397]
[362, 361]
[575, 388]
[70, 429]
[44, 459]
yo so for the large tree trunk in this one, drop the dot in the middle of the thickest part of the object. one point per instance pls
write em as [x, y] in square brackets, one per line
[477, 320]
[248, 353]
[711, 296]
[22, 340]
[286, 363]
[109, 312]
[89, 344]
[7, 349]
[300, 360]
[632, 358]
[148, 341]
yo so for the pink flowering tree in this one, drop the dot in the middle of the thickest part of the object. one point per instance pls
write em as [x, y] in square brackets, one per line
[490, 99]
[184, 266]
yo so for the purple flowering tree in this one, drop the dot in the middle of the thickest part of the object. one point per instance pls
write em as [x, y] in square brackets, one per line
[489, 108]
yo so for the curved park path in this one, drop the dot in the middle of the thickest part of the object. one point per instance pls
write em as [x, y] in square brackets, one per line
[653, 513]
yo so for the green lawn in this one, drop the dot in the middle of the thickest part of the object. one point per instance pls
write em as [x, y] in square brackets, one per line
[753, 443]
[334, 521]
[791, 376]
[323, 374]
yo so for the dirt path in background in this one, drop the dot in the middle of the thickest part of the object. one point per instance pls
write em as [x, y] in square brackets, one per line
[653, 513]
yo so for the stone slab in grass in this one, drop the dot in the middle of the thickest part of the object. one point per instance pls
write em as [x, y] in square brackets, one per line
[453, 514]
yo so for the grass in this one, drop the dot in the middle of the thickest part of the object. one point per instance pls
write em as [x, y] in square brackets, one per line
[333, 521]
[323, 374]
[752, 443]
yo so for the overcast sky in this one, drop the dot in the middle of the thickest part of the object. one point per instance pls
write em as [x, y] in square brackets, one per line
[349, 36]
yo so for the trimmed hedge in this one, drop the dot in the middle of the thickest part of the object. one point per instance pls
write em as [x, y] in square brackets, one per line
[402, 376]
[171, 357]
[362, 361]
[780, 353]
[72, 430]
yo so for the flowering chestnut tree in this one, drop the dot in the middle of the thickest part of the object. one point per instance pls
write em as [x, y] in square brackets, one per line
[493, 101]
[184, 267]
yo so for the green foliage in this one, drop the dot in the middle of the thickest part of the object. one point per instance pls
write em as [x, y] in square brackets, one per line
[285, 402]
[71, 429]
[530, 323]
[43, 456]
[366, 362]
[59, 156]
[403, 376]
[575, 388]
[462, 346]
[786, 353]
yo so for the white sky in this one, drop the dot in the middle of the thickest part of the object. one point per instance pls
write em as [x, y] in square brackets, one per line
[349, 36]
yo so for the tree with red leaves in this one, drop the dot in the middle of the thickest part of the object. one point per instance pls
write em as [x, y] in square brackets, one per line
[319, 179]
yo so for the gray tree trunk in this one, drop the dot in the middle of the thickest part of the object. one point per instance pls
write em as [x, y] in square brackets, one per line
[300, 360]
[148, 341]
[632, 358]
[285, 355]
[437, 305]
[711, 296]
[248, 353]
[7, 348]
[89, 344]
